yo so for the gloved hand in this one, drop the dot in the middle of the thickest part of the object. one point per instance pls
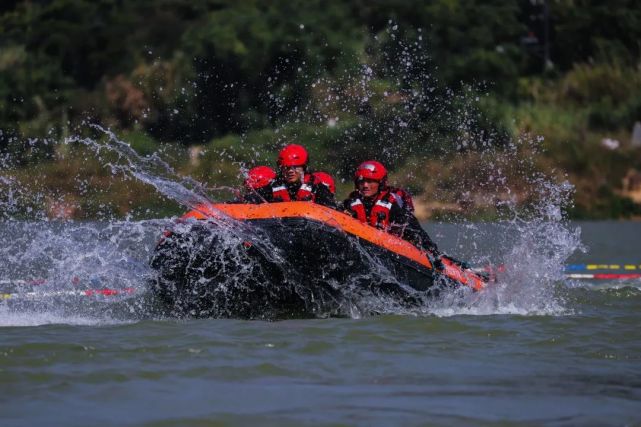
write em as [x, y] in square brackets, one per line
[435, 260]
[438, 264]
[460, 263]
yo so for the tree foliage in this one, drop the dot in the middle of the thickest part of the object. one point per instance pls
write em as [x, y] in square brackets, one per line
[192, 71]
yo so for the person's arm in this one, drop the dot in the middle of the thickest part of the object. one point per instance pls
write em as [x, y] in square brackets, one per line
[325, 197]
[410, 229]
[419, 235]
[259, 195]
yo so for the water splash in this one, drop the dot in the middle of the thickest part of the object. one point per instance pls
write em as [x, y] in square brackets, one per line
[422, 120]
[116, 254]
[86, 272]
[151, 170]
[531, 248]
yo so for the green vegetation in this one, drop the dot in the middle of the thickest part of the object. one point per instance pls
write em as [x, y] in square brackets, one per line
[438, 90]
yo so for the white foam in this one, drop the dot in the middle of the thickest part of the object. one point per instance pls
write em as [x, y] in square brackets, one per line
[34, 318]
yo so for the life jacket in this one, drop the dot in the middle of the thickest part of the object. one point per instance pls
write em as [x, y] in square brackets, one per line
[305, 193]
[379, 215]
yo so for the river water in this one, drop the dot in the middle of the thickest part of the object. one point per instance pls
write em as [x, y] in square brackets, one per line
[576, 360]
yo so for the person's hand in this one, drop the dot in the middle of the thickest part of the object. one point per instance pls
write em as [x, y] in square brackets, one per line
[435, 260]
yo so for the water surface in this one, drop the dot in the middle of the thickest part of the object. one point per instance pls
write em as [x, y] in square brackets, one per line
[577, 361]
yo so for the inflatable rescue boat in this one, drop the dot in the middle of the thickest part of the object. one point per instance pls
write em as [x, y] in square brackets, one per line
[293, 259]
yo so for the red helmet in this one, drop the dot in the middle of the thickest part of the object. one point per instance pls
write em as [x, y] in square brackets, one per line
[371, 169]
[259, 177]
[292, 155]
[326, 179]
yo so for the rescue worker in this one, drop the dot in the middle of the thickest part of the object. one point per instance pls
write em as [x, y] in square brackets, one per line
[258, 184]
[375, 203]
[295, 183]
[327, 180]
